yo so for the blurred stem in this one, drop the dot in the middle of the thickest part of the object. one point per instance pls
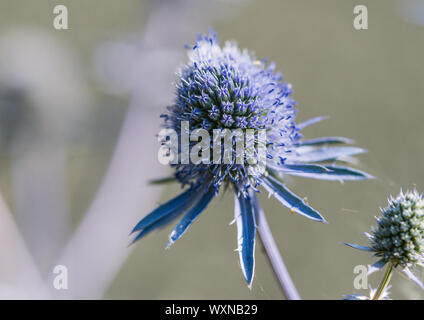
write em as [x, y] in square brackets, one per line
[384, 282]
[275, 259]
[19, 275]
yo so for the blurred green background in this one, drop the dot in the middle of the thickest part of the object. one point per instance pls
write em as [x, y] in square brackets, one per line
[369, 83]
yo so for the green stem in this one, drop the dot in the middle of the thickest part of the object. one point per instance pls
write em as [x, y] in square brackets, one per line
[384, 282]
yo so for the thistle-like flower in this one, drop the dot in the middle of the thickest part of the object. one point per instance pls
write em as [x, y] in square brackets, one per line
[398, 239]
[224, 88]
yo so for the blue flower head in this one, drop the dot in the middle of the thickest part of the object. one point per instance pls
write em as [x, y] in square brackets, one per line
[398, 238]
[228, 88]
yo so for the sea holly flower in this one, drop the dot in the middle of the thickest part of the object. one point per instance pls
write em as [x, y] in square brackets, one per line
[398, 238]
[228, 88]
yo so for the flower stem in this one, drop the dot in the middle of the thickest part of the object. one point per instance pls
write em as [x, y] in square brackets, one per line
[275, 258]
[384, 282]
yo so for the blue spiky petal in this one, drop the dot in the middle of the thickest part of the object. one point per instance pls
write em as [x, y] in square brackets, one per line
[244, 216]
